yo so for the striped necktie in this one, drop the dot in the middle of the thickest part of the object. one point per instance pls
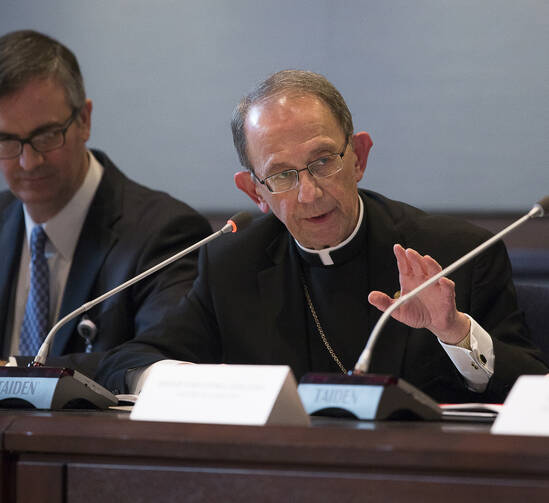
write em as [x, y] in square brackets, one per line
[35, 322]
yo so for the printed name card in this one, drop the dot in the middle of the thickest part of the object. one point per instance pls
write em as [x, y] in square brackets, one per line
[526, 409]
[221, 394]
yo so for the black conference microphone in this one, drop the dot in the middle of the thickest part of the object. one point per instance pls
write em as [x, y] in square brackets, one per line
[373, 396]
[57, 388]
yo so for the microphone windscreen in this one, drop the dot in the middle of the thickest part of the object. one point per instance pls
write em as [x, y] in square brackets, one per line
[544, 205]
[240, 220]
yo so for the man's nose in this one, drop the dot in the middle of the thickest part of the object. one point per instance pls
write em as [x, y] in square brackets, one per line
[309, 189]
[30, 158]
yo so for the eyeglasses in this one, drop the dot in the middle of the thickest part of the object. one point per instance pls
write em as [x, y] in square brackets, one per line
[45, 141]
[320, 168]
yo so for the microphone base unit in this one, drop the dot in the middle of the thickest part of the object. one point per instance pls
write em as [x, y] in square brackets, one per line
[366, 396]
[51, 388]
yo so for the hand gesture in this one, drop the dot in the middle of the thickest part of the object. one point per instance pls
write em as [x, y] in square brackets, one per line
[434, 307]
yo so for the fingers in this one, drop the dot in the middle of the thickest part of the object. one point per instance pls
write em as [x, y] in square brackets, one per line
[402, 261]
[448, 289]
[416, 262]
[431, 265]
[380, 300]
[409, 261]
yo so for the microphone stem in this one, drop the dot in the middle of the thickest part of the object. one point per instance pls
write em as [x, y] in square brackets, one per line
[363, 363]
[40, 358]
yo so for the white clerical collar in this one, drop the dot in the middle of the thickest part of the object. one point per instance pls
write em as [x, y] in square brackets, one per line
[64, 228]
[324, 254]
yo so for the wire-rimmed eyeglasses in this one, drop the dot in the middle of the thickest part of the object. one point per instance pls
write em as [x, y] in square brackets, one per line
[320, 168]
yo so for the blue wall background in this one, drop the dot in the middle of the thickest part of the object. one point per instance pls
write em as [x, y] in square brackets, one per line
[453, 92]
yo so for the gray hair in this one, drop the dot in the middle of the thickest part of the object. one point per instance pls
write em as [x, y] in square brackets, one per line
[288, 82]
[26, 55]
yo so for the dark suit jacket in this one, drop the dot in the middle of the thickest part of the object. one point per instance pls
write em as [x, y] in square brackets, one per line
[128, 229]
[247, 306]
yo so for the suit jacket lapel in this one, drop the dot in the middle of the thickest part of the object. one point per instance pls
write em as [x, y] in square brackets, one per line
[12, 227]
[282, 306]
[96, 240]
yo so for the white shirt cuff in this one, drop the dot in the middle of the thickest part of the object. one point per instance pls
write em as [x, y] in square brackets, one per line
[476, 364]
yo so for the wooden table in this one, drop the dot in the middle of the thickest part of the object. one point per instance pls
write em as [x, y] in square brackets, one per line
[103, 456]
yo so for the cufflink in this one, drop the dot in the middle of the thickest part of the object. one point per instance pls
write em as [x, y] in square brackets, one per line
[396, 294]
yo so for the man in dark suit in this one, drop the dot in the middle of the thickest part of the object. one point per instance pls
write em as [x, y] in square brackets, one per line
[299, 287]
[98, 228]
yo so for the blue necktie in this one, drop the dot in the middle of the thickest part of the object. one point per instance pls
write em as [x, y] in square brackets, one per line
[35, 323]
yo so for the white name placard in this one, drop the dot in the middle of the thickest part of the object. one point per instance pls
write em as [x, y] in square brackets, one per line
[222, 394]
[526, 409]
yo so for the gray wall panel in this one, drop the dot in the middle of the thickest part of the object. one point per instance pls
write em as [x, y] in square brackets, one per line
[454, 92]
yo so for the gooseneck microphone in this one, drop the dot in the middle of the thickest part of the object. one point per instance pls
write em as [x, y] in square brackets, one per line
[236, 222]
[362, 365]
[57, 388]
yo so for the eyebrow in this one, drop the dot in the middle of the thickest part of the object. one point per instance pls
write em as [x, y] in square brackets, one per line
[280, 167]
[324, 148]
[40, 129]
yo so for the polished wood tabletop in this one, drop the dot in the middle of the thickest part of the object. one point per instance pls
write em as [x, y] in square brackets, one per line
[80, 456]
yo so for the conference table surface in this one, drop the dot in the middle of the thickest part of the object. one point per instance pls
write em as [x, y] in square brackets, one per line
[93, 456]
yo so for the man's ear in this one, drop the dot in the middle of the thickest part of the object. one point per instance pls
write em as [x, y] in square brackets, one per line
[84, 120]
[362, 143]
[243, 180]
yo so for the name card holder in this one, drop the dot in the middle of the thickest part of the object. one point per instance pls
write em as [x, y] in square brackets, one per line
[50, 388]
[367, 396]
[221, 394]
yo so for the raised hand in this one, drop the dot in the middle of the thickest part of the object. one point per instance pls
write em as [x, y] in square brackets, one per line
[433, 308]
